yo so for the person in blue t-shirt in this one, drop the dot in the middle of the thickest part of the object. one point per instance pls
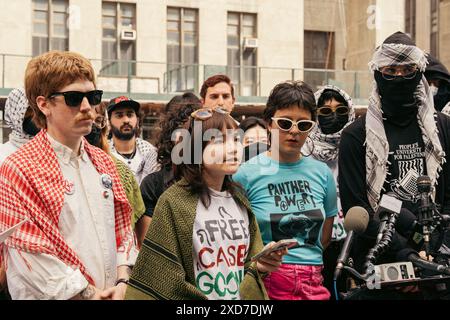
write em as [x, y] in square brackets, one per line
[292, 196]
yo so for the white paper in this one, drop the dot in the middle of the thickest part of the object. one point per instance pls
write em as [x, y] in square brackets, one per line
[5, 234]
[391, 203]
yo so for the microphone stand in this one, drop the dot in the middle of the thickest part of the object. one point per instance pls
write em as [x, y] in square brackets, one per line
[426, 210]
[382, 245]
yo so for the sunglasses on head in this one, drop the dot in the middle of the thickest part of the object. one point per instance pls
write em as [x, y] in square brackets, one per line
[74, 98]
[326, 111]
[287, 124]
[206, 113]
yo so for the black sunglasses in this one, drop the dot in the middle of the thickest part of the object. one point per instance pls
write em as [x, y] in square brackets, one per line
[326, 111]
[74, 98]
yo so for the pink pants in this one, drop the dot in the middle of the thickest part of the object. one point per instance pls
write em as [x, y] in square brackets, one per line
[296, 282]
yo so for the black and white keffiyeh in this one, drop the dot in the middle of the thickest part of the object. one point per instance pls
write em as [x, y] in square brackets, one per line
[149, 163]
[15, 108]
[446, 109]
[377, 146]
[325, 147]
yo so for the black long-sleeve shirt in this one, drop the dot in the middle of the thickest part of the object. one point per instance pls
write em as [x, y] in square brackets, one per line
[352, 175]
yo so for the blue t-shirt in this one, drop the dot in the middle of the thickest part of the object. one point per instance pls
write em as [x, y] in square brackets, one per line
[290, 200]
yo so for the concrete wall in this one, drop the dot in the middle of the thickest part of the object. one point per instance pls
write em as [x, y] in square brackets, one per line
[329, 17]
[390, 18]
[359, 25]
[360, 33]
[423, 26]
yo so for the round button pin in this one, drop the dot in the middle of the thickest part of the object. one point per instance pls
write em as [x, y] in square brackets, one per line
[106, 181]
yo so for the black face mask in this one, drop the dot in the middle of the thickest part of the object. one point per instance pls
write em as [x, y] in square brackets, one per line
[397, 97]
[442, 97]
[95, 135]
[29, 127]
[332, 123]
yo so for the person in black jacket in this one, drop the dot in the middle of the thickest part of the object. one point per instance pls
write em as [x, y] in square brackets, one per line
[400, 138]
[439, 80]
[175, 116]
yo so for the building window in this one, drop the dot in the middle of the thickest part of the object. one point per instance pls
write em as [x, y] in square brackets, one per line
[182, 49]
[242, 52]
[50, 30]
[319, 50]
[118, 51]
[434, 36]
[318, 54]
[410, 18]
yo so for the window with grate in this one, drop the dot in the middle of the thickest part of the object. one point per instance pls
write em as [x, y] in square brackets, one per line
[50, 31]
[118, 54]
[241, 57]
[182, 49]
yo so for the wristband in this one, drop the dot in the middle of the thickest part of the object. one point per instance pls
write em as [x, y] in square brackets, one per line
[121, 281]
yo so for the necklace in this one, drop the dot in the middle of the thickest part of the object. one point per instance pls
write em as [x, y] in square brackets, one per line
[128, 156]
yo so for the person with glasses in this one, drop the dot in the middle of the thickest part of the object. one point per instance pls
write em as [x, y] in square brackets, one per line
[400, 138]
[125, 120]
[99, 137]
[203, 233]
[77, 241]
[292, 195]
[335, 112]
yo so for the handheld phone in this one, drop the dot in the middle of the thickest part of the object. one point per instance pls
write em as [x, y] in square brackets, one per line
[279, 245]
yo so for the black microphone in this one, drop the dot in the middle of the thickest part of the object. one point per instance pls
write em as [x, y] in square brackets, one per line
[425, 215]
[388, 205]
[356, 221]
[409, 254]
[408, 226]
[424, 188]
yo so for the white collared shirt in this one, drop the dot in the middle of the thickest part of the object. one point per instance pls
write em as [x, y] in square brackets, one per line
[87, 223]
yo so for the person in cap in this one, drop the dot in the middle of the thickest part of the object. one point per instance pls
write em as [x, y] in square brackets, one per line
[439, 80]
[125, 121]
[18, 117]
[400, 138]
[98, 138]
[76, 241]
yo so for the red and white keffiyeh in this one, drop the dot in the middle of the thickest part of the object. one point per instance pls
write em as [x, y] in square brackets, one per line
[32, 186]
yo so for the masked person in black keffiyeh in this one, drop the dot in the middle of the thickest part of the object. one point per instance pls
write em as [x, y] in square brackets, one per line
[399, 139]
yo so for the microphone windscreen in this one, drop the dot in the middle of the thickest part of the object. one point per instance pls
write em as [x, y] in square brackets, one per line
[356, 220]
[405, 222]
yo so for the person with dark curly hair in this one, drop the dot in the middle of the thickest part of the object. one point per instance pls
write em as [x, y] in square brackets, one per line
[176, 113]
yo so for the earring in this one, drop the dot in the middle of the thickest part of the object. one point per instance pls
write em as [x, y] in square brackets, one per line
[311, 146]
